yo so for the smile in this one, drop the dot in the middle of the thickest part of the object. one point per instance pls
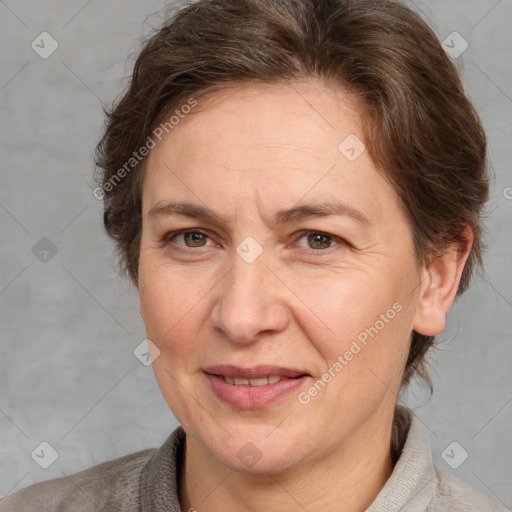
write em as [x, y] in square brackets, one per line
[253, 388]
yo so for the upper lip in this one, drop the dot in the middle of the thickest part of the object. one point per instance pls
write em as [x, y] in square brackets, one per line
[255, 372]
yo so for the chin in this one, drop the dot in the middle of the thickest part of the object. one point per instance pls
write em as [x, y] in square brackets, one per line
[251, 460]
[252, 450]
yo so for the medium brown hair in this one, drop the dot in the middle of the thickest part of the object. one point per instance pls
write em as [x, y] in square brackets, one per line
[422, 132]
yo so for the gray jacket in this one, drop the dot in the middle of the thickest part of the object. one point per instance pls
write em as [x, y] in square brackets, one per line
[146, 481]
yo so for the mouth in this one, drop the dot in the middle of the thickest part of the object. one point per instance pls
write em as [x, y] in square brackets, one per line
[253, 388]
[255, 376]
[261, 381]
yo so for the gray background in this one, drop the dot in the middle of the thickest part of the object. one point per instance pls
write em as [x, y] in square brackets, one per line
[69, 326]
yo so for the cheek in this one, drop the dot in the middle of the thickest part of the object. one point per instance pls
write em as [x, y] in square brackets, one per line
[171, 309]
[344, 305]
[173, 306]
[363, 335]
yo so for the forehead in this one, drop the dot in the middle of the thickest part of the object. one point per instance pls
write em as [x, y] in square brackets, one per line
[301, 117]
[273, 113]
[268, 143]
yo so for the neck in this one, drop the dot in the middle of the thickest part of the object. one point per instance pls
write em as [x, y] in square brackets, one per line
[352, 475]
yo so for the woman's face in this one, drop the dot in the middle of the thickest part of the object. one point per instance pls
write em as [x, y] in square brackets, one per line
[254, 291]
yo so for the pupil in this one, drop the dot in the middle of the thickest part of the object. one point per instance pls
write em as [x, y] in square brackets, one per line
[196, 237]
[318, 239]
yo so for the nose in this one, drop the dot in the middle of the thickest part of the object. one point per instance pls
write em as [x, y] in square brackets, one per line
[251, 302]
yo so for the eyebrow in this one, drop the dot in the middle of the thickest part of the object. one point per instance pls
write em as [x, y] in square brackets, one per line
[297, 213]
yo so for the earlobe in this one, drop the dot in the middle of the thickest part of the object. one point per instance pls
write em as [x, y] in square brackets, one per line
[438, 288]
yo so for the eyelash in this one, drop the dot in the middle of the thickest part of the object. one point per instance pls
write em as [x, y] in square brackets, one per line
[169, 237]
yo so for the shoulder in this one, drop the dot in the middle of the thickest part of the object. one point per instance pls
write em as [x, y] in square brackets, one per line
[456, 495]
[111, 486]
[416, 483]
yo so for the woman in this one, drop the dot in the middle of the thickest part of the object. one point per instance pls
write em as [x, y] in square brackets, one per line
[295, 188]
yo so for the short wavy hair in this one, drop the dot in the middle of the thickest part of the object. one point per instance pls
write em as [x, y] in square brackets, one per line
[421, 130]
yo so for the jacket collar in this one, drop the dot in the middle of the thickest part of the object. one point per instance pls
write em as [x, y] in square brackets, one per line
[413, 483]
[160, 476]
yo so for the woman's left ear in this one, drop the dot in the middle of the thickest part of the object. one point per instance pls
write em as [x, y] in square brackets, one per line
[440, 281]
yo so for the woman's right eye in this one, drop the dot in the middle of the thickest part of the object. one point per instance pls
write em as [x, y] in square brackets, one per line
[191, 238]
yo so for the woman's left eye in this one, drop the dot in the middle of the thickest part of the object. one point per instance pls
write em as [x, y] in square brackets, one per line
[320, 241]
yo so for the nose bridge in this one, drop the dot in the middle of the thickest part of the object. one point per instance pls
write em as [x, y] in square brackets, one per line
[246, 305]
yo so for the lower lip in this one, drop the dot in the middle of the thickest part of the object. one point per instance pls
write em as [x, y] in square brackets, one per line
[253, 397]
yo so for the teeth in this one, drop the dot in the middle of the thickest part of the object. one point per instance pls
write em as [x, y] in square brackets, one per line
[261, 381]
